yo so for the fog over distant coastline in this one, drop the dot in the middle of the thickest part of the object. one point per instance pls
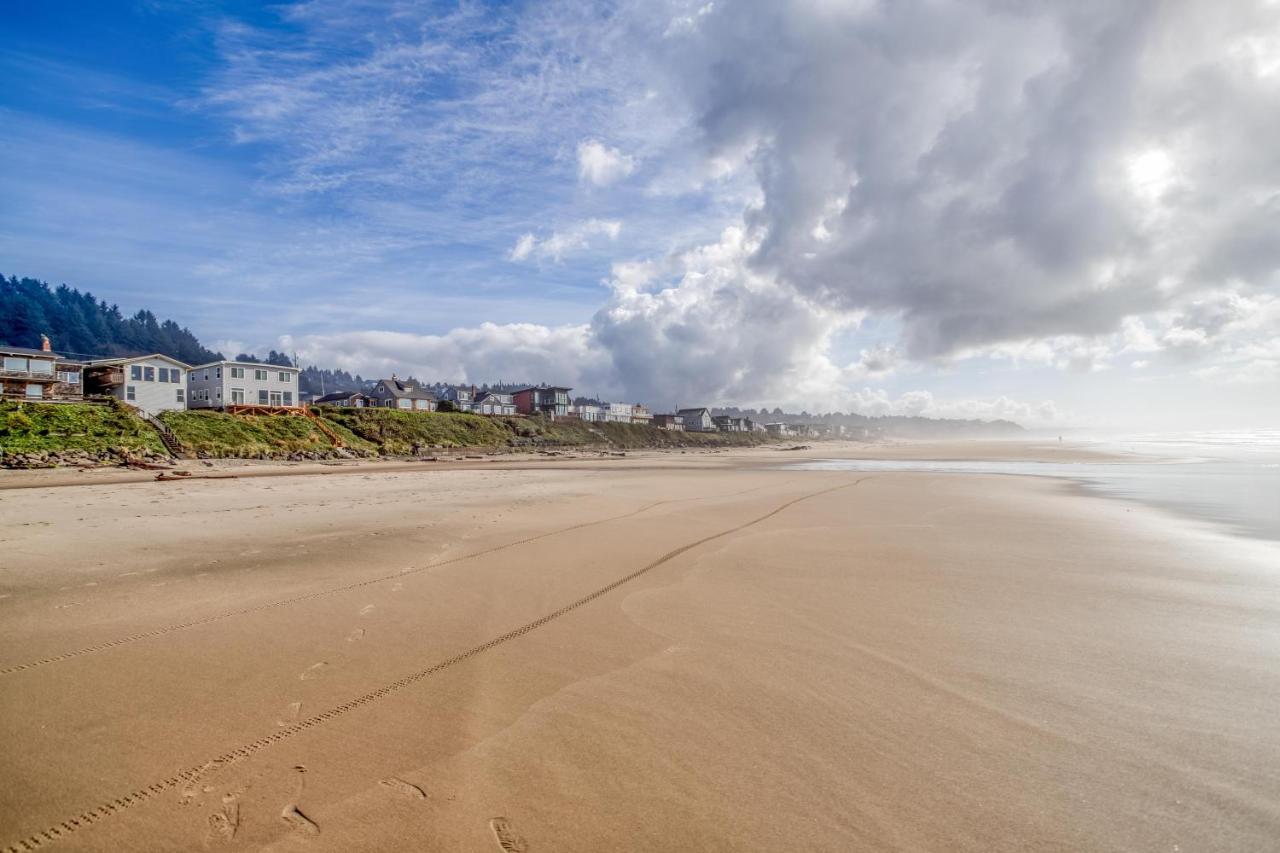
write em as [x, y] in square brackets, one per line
[1048, 212]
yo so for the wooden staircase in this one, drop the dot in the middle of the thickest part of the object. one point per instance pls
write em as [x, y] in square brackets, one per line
[323, 427]
[167, 437]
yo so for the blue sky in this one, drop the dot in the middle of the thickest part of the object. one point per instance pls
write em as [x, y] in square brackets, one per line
[949, 209]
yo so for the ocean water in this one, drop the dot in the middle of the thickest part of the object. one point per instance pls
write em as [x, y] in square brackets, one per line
[1230, 479]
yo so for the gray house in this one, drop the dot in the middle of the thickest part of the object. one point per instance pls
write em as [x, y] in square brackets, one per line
[346, 399]
[495, 403]
[223, 384]
[697, 420]
[396, 393]
[153, 383]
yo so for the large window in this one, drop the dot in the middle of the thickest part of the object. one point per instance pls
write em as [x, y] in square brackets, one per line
[35, 389]
[262, 397]
[288, 398]
[40, 365]
[149, 373]
[237, 396]
[277, 398]
[237, 373]
[260, 375]
[130, 392]
[135, 372]
[12, 362]
[284, 377]
[164, 374]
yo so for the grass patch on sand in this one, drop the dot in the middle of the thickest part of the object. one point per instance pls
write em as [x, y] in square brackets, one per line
[30, 427]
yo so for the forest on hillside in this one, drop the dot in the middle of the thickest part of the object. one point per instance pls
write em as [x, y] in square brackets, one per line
[81, 326]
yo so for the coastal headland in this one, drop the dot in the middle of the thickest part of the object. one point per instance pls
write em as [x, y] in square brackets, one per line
[707, 650]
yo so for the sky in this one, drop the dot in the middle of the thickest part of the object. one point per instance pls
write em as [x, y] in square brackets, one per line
[1063, 214]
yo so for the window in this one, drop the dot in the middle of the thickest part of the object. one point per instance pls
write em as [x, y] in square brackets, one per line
[71, 377]
[164, 374]
[284, 377]
[260, 375]
[237, 396]
[135, 372]
[175, 376]
[217, 372]
[237, 373]
[206, 376]
[276, 398]
[217, 393]
[149, 373]
[34, 389]
[15, 363]
[178, 395]
[40, 365]
[130, 392]
[288, 398]
[262, 397]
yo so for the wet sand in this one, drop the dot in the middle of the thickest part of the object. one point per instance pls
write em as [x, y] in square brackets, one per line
[706, 651]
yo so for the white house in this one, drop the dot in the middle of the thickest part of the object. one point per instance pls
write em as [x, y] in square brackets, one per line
[219, 384]
[153, 383]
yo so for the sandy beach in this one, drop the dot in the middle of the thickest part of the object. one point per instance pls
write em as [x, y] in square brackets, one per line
[701, 651]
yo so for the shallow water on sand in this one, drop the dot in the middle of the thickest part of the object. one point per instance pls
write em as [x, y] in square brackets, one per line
[1233, 484]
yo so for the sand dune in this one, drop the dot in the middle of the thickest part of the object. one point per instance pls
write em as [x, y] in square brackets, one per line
[665, 652]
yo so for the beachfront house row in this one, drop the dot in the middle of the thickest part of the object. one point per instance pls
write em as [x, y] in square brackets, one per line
[152, 383]
[697, 420]
[494, 403]
[40, 375]
[396, 393]
[671, 422]
[550, 400]
[226, 384]
[345, 399]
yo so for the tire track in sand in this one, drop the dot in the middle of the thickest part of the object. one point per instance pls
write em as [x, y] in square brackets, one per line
[87, 818]
[285, 602]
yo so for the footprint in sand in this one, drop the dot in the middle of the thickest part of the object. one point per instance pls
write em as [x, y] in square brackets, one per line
[313, 671]
[295, 708]
[223, 824]
[366, 610]
[357, 634]
[402, 787]
[298, 821]
[508, 839]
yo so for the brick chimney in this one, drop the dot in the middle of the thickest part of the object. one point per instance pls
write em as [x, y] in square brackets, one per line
[44, 344]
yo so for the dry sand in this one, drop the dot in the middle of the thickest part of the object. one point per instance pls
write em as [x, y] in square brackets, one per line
[702, 651]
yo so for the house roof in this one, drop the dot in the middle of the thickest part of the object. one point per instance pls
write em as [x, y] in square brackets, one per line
[126, 359]
[339, 395]
[544, 388]
[400, 389]
[5, 348]
[485, 395]
[694, 412]
[256, 364]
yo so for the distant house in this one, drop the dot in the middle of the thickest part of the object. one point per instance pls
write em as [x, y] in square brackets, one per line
[39, 375]
[779, 429]
[495, 403]
[462, 397]
[396, 393]
[671, 422]
[587, 412]
[727, 423]
[346, 399]
[618, 412]
[641, 415]
[697, 420]
[550, 400]
[242, 384]
[153, 383]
